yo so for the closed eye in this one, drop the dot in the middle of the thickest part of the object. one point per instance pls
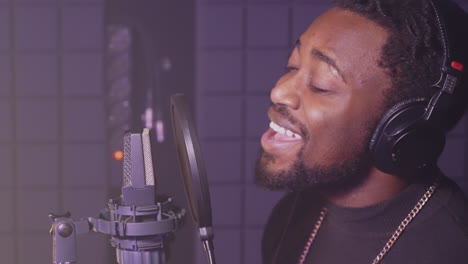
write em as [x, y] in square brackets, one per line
[288, 69]
[316, 89]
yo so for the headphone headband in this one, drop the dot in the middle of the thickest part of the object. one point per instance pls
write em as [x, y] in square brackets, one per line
[450, 70]
[410, 134]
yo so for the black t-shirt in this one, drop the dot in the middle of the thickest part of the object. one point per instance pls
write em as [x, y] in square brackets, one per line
[438, 234]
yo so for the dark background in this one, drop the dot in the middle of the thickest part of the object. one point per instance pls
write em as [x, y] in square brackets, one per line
[58, 105]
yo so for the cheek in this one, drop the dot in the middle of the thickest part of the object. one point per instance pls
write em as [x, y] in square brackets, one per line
[339, 132]
[327, 131]
[360, 120]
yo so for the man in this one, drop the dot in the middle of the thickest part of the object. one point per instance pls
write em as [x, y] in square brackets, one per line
[362, 72]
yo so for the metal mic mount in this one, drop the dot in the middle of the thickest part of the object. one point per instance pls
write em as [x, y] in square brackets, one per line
[136, 221]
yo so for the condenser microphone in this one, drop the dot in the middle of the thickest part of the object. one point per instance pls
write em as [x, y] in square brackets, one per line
[138, 201]
[193, 171]
[137, 221]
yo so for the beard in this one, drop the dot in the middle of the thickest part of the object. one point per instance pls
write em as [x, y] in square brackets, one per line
[341, 176]
[338, 177]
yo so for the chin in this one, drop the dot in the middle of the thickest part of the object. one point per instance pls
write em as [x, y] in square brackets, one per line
[268, 173]
[340, 176]
[275, 164]
[276, 174]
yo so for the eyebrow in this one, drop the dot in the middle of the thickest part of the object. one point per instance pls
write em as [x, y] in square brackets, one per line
[322, 57]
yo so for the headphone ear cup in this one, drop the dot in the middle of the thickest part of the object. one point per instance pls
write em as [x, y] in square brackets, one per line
[404, 140]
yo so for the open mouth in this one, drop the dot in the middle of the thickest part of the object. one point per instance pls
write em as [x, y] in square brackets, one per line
[280, 139]
[281, 131]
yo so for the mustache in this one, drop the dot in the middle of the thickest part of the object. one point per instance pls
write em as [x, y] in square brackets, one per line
[286, 114]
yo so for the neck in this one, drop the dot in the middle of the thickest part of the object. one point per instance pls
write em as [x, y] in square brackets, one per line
[376, 187]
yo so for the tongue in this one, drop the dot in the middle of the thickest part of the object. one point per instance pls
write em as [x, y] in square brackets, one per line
[282, 137]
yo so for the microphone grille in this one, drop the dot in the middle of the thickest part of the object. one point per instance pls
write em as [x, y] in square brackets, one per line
[127, 161]
[147, 158]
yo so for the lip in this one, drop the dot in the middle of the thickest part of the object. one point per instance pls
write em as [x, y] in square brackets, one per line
[275, 143]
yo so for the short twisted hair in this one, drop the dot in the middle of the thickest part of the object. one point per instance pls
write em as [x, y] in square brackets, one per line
[413, 53]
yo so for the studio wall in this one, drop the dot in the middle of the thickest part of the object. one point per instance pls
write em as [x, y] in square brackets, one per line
[53, 123]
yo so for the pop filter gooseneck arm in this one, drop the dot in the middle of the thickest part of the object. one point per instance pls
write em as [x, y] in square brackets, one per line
[193, 171]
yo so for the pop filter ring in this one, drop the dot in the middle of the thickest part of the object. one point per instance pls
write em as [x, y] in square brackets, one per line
[192, 164]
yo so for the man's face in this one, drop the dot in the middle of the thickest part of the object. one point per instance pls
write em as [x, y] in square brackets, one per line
[326, 106]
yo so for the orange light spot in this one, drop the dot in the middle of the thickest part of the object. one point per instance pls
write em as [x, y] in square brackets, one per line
[118, 155]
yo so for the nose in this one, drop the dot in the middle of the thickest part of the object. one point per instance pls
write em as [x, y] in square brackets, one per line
[285, 93]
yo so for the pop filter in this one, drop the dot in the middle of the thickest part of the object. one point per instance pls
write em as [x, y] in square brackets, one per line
[193, 171]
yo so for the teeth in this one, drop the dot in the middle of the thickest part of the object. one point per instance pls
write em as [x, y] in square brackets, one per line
[274, 126]
[283, 130]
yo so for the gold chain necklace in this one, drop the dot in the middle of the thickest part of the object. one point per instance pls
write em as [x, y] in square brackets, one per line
[392, 239]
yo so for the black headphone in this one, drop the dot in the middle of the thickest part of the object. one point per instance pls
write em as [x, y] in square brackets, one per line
[409, 135]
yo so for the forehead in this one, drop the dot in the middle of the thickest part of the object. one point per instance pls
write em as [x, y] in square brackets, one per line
[354, 42]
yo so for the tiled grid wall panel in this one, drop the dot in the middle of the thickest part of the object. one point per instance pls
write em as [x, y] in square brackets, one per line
[242, 47]
[52, 115]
